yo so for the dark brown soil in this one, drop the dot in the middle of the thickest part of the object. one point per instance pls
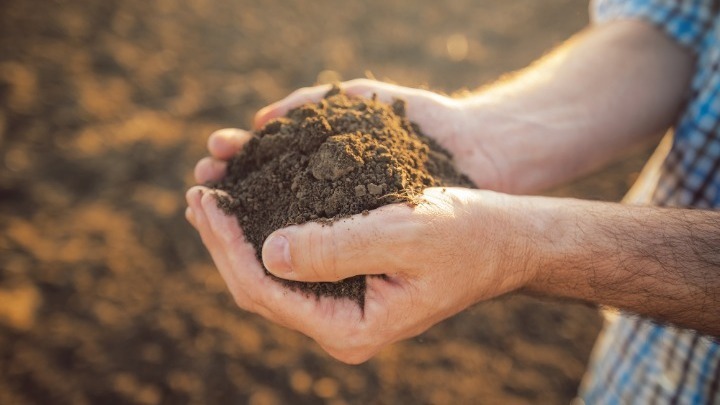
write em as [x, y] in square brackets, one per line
[342, 156]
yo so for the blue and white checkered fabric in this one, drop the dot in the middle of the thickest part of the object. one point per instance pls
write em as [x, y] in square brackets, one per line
[635, 360]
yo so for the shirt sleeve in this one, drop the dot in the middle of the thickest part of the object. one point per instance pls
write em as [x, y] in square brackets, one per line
[686, 21]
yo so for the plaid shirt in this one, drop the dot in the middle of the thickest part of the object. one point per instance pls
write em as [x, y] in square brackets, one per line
[635, 360]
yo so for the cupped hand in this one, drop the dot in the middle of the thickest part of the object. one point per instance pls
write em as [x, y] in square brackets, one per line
[437, 258]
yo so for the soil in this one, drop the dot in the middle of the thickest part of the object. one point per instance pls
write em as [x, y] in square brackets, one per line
[342, 156]
[107, 295]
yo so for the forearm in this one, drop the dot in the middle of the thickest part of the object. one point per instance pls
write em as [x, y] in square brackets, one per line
[608, 89]
[658, 262]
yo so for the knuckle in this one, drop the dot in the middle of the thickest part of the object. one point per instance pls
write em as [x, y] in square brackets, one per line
[255, 301]
[298, 92]
[198, 170]
[193, 195]
[362, 82]
[329, 258]
[242, 301]
[357, 346]
[208, 199]
[359, 86]
[322, 256]
[311, 254]
[303, 93]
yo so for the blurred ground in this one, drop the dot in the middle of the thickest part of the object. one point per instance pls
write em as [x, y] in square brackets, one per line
[107, 295]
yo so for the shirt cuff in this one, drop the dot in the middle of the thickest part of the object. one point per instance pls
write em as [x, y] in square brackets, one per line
[685, 21]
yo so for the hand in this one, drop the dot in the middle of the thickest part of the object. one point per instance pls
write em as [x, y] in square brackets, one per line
[438, 257]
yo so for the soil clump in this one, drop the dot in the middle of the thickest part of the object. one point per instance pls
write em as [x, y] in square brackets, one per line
[343, 156]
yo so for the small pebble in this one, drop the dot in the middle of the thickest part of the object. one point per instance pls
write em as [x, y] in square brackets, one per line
[360, 190]
[374, 189]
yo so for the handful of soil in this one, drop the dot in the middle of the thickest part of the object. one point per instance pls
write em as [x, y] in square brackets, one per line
[342, 156]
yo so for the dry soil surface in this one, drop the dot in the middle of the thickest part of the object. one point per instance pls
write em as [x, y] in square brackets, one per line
[108, 296]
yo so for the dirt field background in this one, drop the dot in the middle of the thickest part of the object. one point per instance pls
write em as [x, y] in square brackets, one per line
[106, 294]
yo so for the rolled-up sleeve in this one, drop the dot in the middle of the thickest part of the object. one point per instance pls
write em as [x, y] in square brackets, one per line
[686, 21]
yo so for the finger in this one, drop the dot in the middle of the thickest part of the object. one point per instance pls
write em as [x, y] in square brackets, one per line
[252, 289]
[209, 169]
[193, 195]
[438, 115]
[337, 324]
[241, 269]
[315, 94]
[295, 99]
[244, 275]
[225, 143]
[194, 198]
[385, 92]
[198, 199]
[226, 229]
[418, 101]
[190, 216]
[372, 244]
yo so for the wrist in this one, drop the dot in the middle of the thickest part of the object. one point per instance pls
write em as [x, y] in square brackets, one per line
[509, 141]
[508, 231]
[559, 233]
[533, 141]
[471, 144]
[543, 237]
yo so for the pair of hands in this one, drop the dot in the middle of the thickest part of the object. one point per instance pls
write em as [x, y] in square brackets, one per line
[441, 256]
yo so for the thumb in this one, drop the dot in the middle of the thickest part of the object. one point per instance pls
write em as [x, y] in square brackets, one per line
[350, 247]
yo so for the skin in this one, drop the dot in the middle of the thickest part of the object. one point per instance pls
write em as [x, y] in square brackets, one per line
[609, 89]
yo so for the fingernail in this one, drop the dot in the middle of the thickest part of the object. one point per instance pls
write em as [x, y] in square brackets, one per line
[277, 253]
